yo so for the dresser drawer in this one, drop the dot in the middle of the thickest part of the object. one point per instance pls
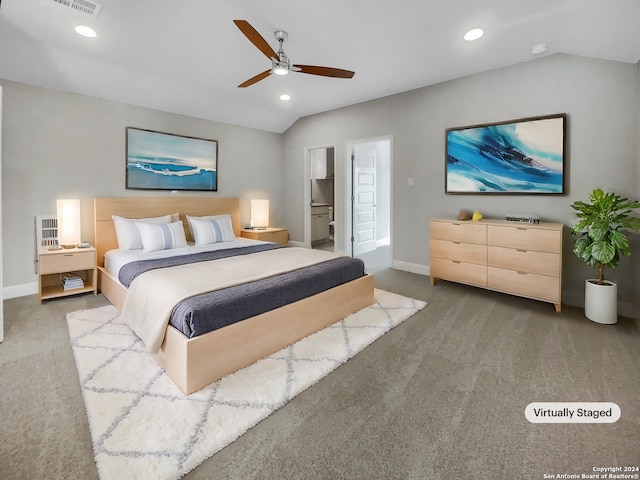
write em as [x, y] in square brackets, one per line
[525, 237]
[458, 232]
[524, 260]
[464, 252]
[456, 271]
[66, 262]
[529, 285]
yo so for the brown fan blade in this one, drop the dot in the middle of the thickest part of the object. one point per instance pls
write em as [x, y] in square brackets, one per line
[256, 79]
[255, 38]
[325, 71]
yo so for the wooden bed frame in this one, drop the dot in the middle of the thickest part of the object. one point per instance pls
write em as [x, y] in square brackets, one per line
[195, 363]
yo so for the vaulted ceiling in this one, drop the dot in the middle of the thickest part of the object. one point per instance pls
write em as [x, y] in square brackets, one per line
[189, 57]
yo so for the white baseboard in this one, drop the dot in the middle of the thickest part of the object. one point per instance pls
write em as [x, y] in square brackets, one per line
[410, 267]
[383, 242]
[20, 290]
[298, 244]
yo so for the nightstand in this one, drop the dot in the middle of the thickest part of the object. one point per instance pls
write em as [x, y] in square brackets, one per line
[269, 234]
[53, 263]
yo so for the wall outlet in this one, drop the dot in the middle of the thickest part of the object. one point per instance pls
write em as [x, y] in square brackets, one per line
[410, 182]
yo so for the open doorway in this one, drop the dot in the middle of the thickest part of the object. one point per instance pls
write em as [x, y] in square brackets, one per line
[369, 191]
[322, 197]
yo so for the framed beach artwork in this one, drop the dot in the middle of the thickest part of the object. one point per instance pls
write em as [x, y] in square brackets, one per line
[525, 156]
[164, 161]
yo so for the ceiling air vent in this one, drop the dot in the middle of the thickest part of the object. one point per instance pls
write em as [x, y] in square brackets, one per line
[79, 8]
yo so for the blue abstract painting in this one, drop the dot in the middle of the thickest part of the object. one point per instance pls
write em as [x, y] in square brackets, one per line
[163, 161]
[517, 157]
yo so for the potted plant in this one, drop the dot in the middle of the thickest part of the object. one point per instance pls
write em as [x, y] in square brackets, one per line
[601, 240]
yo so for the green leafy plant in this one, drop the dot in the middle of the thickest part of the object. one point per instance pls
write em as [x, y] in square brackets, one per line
[601, 227]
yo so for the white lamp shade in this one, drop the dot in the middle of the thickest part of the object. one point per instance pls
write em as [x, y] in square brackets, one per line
[69, 233]
[259, 213]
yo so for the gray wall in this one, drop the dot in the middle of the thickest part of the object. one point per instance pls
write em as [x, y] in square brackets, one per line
[60, 145]
[601, 101]
[63, 145]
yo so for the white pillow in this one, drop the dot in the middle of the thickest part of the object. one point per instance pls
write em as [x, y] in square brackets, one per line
[161, 236]
[128, 234]
[211, 230]
[205, 217]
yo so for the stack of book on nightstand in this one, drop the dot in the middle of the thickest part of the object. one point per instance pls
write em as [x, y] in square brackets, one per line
[71, 281]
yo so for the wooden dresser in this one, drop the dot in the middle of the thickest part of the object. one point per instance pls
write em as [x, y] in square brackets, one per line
[517, 258]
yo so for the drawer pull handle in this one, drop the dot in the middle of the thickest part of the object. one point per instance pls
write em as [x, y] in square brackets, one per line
[455, 243]
[522, 273]
[520, 250]
[68, 254]
[522, 228]
[455, 261]
[456, 223]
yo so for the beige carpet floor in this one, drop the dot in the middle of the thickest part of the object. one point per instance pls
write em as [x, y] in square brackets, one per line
[442, 396]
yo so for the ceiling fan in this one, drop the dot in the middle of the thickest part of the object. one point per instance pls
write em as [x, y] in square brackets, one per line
[280, 64]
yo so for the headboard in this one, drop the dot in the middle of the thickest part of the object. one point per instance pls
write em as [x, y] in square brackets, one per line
[143, 207]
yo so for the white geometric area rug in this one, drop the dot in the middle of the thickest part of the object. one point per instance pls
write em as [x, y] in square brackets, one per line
[143, 426]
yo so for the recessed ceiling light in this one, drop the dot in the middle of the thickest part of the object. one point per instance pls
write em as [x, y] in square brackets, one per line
[473, 34]
[284, 96]
[86, 31]
[539, 48]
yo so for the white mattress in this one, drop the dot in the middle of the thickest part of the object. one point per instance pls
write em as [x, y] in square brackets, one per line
[115, 259]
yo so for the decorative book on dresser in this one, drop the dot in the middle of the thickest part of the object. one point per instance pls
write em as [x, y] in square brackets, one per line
[517, 258]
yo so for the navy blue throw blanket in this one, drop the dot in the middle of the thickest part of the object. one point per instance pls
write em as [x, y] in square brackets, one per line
[210, 311]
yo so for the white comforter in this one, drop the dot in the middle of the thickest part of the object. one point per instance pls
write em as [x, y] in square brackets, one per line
[153, 294]
[114, 260]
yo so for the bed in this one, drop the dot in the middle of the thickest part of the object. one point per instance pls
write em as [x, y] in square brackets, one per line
[193, 363]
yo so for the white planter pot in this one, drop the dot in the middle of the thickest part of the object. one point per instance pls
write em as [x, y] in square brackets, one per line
[601, 301]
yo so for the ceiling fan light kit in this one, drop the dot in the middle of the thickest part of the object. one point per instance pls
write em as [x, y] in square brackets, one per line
[280, 69]
[280, 64]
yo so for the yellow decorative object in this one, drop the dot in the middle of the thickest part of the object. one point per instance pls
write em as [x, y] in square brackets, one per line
[476, 216]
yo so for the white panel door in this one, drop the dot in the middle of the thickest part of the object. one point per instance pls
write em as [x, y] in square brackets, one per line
[364, 199]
